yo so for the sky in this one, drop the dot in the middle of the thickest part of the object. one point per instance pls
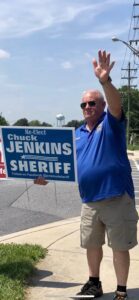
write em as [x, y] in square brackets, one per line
[46, 52]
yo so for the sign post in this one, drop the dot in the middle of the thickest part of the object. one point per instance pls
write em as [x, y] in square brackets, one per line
[2, 166]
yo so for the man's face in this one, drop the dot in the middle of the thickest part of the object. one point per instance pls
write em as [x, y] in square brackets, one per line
[92, 106]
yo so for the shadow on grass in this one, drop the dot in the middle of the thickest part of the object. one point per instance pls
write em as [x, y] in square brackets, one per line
[18, 270]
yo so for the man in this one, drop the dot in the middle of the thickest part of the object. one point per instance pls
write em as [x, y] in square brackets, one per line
[105, 182]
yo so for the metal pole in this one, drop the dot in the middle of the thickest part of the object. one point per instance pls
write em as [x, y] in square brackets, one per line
[128, 108]
[134, 50]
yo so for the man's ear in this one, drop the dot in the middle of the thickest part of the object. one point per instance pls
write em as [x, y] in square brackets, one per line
[104, 104]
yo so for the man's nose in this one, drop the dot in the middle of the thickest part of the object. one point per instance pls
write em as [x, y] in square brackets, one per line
[87, 105]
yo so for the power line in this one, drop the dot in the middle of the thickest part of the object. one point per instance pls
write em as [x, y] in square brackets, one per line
[132, 40]
[129, 78]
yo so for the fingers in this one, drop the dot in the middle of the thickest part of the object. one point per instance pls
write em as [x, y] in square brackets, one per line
[111, 65]
[95, 64]
[40, 180]
[103, 56]
[104, 59]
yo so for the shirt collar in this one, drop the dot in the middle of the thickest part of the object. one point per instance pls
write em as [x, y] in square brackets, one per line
[83, 127]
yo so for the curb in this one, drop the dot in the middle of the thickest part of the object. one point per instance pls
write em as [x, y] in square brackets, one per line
[40, 228]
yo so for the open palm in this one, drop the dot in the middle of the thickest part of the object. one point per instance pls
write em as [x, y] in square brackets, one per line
[103, 67]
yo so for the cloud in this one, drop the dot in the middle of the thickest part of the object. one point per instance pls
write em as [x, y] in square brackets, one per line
[4, 54]
[106, 31]
[21, 18]
[67, 65]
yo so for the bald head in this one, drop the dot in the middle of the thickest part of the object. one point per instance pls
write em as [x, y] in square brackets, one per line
[93, 105]
[94, 94]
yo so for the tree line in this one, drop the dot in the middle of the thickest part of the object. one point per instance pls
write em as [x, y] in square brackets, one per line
[24, 122]
[130, 101]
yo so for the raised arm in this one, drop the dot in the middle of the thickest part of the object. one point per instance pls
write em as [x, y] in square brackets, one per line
[102, 69]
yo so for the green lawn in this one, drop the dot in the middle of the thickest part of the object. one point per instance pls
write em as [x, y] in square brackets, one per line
[17, 263]
[133, 147]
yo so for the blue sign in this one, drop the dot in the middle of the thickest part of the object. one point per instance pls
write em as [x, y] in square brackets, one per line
[32, 152]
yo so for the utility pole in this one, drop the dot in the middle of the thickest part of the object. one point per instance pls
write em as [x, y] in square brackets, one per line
[129, 78]
[136, 17]
[129, 70]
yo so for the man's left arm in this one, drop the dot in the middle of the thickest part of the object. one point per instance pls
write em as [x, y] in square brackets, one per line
[102, 70]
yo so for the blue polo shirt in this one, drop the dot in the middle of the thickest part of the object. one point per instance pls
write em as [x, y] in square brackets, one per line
[103, 167]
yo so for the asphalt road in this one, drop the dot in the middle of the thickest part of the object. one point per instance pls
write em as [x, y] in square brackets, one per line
[135, 175]
[24, 205]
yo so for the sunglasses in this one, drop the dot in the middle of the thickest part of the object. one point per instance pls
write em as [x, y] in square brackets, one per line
[90, 103]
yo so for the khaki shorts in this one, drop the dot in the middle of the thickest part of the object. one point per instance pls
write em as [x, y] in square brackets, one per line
[116, 216]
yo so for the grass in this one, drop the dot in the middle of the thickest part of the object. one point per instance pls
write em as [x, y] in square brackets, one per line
[133, 147]
[17, 264]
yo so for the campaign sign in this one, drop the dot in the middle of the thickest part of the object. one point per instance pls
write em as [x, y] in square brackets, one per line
[31, 152]
[2, 167]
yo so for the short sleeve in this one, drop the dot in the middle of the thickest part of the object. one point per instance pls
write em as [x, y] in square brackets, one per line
[115, 123]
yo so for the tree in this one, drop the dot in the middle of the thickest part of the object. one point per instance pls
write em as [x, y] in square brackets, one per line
[38, 123]
[133, 97]
[3, 121]
[35, 123]
[74, 123]
[21, 122]
[44, 124]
